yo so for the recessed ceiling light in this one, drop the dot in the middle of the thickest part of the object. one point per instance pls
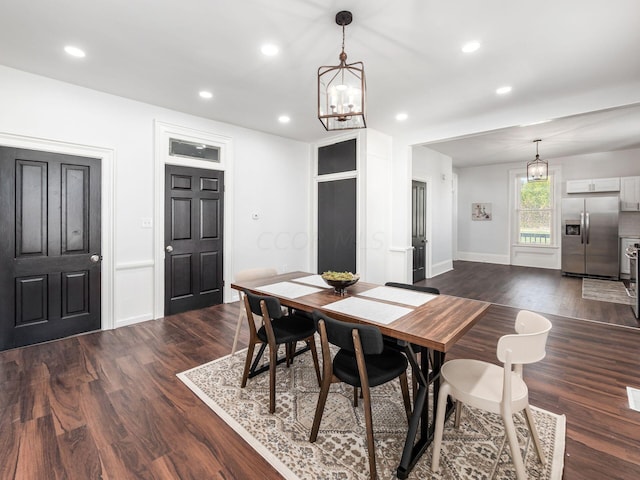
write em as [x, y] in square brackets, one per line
[284, 119]
[470, 47]
[206, 94]
[74, 51]
[269, 49]
[503, 90]
[401, 117]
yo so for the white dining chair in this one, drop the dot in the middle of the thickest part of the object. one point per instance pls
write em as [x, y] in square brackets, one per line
[244, 276]
[496, 389]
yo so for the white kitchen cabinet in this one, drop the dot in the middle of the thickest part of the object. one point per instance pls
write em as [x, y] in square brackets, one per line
[630, 194]
[594, 185]
[624, 261]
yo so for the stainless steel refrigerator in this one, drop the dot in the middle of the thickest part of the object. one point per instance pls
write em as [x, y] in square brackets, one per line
[590, 236]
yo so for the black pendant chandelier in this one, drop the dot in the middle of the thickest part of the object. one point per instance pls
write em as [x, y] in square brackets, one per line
[341, 89]
[537, 169]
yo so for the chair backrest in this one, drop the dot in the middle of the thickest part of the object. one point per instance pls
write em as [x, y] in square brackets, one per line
[340, 334]
[417, 288]
[272, 303]
[528, 345]
[255, 274]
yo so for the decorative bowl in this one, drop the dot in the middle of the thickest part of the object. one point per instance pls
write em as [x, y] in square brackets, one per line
[340, 280]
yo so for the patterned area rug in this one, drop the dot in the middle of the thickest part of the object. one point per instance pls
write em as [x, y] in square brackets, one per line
[605, 291]
[478, 450]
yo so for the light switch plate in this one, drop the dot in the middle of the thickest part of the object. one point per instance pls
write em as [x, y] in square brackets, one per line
[147, 223]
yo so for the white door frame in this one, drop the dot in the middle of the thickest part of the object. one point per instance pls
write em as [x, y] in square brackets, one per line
[163, 133]
[107, 214]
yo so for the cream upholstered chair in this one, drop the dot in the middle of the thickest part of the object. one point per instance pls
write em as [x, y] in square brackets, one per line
[496, 389]
[244, 276]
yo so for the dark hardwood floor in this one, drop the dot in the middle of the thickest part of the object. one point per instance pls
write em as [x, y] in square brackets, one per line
[107, 405]
[540, 289]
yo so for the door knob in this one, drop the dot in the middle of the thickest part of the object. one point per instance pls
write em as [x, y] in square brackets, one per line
[169, 249]
[94, 258]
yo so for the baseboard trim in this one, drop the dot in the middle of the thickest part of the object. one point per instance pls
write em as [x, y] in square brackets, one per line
[484, 258]
[441, 267]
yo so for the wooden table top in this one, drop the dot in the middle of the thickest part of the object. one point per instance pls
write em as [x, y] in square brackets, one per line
[437, 324]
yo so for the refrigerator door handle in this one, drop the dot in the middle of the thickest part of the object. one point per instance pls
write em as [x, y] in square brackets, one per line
[587, 226]
[581, 227]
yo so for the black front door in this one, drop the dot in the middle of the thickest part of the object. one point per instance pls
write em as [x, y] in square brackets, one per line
[49, 246]
[194, 206]
[418, 229]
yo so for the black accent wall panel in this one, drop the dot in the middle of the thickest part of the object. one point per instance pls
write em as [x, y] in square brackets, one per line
[337, 225]
[338, 157]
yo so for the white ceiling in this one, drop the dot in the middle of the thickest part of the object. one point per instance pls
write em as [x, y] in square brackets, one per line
[561, 58]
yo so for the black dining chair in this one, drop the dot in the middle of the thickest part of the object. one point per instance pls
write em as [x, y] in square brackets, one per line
[417, 288]
[276, 329]
[363, 361]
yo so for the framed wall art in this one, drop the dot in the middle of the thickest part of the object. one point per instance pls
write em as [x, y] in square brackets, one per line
[480, 211]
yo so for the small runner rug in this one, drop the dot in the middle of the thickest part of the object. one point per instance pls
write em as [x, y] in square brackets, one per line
[605, 291]
[477, 450]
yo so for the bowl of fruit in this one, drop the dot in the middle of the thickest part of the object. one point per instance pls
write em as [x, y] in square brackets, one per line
[340, 280]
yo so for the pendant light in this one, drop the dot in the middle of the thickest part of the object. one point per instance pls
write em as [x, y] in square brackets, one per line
[341, 89]
[537, 169]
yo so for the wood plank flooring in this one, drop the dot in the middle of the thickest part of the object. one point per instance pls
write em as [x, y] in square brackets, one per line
[107, 405]
[540, 289]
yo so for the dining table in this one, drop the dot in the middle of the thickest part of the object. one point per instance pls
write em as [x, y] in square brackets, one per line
[424, 325]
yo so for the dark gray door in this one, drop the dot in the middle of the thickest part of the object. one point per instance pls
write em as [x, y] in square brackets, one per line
[194, 206]
[49, 246]
[337, 226]
[418, 228]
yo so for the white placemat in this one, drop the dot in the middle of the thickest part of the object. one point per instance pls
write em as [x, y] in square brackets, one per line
[315, 280]
[369, 309]
[399, 295]
[288, 289]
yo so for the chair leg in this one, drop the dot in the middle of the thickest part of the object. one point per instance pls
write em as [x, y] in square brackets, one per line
[322, 399]
[314, 355]
[512, 436]
[439, 424]
[369, 427]
[458, 414]
[273, 358]
[247, 363]
[355, 397]
[404, 386]
[238, 326]
[534, 434]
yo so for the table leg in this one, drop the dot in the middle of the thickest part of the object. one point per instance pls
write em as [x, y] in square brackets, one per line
[416, 445]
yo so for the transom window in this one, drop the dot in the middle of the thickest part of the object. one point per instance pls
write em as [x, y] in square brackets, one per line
[200, 151]
[534, 211]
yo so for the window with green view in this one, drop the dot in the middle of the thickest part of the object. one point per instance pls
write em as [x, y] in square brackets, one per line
[535, 211]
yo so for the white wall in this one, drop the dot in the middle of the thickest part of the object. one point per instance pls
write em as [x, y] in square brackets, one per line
[486, 239]
[270, 178]
[435, 167]
[489, 241]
